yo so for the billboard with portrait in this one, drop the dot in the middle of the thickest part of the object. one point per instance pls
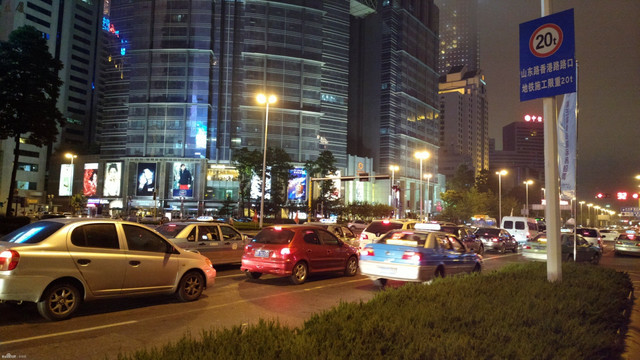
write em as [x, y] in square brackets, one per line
[112, 179]
[183, 179]
[66, 180]
[146, 183]
[297, 189]
[90, 179]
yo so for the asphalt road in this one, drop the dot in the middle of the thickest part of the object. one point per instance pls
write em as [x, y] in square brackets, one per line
[105, 328]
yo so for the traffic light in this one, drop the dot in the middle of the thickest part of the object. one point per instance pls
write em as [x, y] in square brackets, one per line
[599, 195]
[634, 195]
[622, 195]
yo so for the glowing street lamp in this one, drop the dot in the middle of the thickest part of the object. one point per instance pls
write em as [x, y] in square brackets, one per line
[581, 203]
[500, 173]
[263, 99]
[421, 155]
[589, 205]
[428, 177]
[526, 186]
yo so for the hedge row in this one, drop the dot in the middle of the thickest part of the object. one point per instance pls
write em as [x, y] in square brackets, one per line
[514, 313]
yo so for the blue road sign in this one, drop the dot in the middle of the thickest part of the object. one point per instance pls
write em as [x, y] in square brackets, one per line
[547, 56]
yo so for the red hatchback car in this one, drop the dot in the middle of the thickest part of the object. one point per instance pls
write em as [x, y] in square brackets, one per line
[297, 251]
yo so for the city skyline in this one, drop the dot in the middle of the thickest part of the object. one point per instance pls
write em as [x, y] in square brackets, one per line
[608, 54]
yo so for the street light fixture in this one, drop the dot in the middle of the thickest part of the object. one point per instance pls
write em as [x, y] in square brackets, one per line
[428, 177]
[500, 173]
[263, 99]
[421, 155]
[392, 198]
[526, 185]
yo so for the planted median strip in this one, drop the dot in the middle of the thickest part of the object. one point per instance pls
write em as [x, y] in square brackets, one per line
[511, 313]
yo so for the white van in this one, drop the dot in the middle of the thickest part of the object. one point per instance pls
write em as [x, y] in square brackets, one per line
[522, 228]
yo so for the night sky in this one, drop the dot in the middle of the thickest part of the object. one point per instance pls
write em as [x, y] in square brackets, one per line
[608, 53]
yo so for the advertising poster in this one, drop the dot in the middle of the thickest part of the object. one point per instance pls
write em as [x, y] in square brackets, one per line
[146, 179]
[183, 179]
[90, 179]
[112, 179]
[256, 185]
[335, 191]
[66, 180]
[297, 189]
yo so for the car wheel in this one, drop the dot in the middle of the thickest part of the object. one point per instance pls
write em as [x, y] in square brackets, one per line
[380, 282]
[352, 266]
[299, 273]
[515, 248]
[477, 268]
[253, 275]
[190, 287]
[503, 249]
[595, 259]
[59, 301]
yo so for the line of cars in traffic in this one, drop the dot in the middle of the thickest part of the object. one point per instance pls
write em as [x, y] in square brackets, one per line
[59, 263]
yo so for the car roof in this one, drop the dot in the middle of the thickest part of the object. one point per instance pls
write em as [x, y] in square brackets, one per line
[81, 220]
[195, 223]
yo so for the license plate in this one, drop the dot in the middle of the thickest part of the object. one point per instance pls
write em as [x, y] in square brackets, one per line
[385, 270]
[262, 253]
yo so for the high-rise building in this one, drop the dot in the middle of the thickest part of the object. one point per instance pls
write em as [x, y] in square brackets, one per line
[459, 43]
[70, 28]
[181, 80]
[464, 121]
[393, 103]
[522, 151]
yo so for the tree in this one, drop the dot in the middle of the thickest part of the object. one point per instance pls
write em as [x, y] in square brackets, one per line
[323, 166]
[78, 202]
[29, 89]
[280, 163]
[248, 163]
[462, 180]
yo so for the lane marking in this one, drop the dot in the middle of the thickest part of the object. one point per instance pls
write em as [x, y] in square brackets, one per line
[67, 332]
[175, 314]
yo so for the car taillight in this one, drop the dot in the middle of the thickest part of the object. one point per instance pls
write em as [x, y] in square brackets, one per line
[412, 256]
[618, 242]
[526, 247]
[366, 252]
[364, 236]
[9, 260]
[495, 239]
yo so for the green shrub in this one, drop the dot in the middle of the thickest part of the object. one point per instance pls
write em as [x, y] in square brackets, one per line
[514, 313]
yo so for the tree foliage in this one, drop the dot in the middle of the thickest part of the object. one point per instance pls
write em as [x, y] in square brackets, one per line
[29, 90]
[323, 167]
[78, 202]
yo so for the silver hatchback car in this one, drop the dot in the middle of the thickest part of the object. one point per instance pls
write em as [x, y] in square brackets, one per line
[58, 263]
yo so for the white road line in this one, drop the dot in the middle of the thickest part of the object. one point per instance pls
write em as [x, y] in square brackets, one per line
[66, 333]
[170, 315]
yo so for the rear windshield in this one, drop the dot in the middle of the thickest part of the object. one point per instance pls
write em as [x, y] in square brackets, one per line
[380, 227]
[274, 236]
[628, 237]
[487, 232]
[407, 238]
[508, 224]
[588, 232]
[32, 233]
[449, 229]
[170, 230]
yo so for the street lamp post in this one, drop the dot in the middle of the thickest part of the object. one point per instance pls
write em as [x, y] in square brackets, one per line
[500, 173]
[428, 177]
[392, 198]
[262, 99]
[421, 155]
[526, 184]
[581, 217]
[589, 205]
